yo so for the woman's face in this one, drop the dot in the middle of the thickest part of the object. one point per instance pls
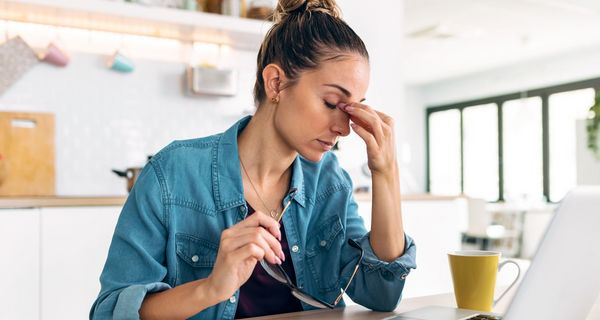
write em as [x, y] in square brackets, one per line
[307, 117]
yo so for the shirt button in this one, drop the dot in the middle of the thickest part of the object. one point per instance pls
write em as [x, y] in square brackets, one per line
[404, 276]
[195, 258]
[232, 299]
[323, 243]
[295, 248]
[243, 209]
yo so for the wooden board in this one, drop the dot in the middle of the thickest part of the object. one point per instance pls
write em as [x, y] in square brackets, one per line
[27, 154]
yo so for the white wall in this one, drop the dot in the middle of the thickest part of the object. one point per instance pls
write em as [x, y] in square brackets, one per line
[106, 119]
[567, 67]
[381, 30]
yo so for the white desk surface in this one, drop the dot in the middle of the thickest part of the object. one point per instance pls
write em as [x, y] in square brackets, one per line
[357, 312]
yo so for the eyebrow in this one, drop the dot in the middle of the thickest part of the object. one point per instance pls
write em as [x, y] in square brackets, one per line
[343, 90]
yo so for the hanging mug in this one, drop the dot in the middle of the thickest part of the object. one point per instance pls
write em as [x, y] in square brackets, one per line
[120, 63]
[54, 55]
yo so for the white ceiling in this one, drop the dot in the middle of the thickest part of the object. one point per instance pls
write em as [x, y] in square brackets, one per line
[449, 38]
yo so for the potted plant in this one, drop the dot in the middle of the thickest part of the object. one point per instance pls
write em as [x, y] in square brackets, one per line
[593, 127]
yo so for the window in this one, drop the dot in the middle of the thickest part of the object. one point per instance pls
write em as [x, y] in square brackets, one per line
[564, 110]
[519, 146]
[444, 140]
[480, 163]
[522, 136]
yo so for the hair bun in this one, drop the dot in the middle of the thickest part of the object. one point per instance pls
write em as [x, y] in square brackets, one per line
[288, 7]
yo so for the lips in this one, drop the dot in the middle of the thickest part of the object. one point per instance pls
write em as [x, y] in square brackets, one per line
[327, 142]
[326, 145]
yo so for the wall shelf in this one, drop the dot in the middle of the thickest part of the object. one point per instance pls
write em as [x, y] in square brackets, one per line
[137, 19]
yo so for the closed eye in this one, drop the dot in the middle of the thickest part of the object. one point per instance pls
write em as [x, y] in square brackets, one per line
[329, 105]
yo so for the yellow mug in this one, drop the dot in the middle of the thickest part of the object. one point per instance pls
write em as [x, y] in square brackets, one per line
[474, 278]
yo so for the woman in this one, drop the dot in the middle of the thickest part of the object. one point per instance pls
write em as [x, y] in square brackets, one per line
[200, 218]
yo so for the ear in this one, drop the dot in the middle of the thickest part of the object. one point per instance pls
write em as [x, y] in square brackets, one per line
[273, 76]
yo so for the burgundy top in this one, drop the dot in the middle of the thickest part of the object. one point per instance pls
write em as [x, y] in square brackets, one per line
[263, 295]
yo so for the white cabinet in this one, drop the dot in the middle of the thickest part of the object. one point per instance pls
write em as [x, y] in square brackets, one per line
[19, 264]
[436, 226]
[74, 246]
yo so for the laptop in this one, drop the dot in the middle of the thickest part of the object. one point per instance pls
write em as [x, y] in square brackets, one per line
[562, 281]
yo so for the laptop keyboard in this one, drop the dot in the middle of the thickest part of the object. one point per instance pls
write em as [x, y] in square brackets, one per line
[484, 317]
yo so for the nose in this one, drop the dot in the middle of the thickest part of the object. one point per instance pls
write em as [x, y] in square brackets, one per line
[341, 123]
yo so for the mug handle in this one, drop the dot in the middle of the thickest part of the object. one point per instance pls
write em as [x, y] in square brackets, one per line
[502, 264]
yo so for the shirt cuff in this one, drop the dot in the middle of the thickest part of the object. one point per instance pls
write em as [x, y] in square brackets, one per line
[130, 299]
[397, 269]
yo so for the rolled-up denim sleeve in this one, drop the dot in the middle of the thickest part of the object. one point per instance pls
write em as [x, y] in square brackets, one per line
[135, 263]
[378, 284]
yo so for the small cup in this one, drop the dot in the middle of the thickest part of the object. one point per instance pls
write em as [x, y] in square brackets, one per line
[54, 55]
[120, 62]
[474, 278]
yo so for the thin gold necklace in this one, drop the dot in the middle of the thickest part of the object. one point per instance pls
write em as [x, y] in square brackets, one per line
[273, 213]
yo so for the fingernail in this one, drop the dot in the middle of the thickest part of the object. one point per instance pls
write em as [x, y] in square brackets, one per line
[341, 106]
[282, 255]
[349, 109]
[278, 260]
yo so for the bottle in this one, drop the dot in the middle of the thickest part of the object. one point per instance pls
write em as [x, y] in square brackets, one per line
[233, 8]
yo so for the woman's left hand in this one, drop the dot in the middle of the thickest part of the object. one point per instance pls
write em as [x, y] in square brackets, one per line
[377, 130]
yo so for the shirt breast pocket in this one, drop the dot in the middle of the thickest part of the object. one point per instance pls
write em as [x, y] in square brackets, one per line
[323, 254]
[196, 257]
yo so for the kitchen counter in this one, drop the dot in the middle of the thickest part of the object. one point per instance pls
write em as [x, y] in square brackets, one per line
[59, 201]
[85, 201]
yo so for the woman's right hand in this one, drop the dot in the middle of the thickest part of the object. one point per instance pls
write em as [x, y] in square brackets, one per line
[240, 248]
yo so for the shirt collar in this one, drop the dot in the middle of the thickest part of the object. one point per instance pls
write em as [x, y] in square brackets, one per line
[228, 189]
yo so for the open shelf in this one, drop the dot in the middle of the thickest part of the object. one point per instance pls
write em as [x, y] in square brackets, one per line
[137, 19]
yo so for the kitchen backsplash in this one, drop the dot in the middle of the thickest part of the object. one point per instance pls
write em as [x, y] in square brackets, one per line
[107, 120]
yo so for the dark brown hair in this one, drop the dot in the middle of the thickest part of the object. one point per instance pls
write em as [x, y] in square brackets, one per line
[304, 34]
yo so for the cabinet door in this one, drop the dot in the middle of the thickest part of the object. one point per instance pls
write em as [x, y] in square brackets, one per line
[74, 247]
[20, 264]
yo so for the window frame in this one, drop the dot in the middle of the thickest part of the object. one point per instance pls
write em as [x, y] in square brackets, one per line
[544, 93]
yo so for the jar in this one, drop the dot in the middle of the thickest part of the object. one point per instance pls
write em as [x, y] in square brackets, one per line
[260, 9]
[201, 5]
[190, 5]
[234, 8]
[213, 6]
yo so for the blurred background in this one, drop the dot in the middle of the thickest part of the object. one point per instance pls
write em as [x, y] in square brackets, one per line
[493, 101]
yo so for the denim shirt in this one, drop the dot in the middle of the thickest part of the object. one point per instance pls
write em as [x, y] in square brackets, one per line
[169, 230]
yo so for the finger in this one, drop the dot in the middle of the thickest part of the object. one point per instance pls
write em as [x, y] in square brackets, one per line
[259, 236]
[260, 219]
[269, 253]
[365, 135]
[387, 125]
[385, 118]
[366, 115]
[250, 250]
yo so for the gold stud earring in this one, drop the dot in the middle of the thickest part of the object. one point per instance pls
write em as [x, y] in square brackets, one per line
[275, 99]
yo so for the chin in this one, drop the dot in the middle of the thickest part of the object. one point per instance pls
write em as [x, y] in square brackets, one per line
[313, 156]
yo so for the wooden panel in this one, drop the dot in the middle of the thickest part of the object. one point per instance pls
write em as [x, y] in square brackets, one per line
[27, 154]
